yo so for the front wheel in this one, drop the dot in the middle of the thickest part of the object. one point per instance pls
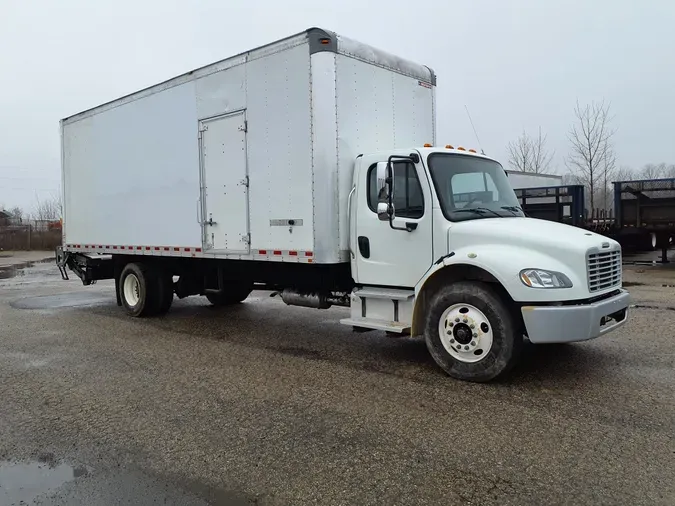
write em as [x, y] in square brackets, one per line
[470, 332]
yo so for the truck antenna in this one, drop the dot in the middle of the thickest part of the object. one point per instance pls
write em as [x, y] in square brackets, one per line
[474, 130]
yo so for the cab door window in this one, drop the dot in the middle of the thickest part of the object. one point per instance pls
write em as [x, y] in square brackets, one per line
[408, 197]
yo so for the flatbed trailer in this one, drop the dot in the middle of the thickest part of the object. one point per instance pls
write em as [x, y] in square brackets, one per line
[647, 206]
[643, 217]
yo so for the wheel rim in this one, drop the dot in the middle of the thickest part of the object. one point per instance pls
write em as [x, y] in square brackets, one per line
[132, 290]
[466, 333]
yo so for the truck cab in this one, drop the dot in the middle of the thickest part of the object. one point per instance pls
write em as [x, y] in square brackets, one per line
[440, 247]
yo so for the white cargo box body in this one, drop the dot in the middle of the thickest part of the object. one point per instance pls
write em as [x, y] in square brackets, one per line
[519, 179]
[247, 158]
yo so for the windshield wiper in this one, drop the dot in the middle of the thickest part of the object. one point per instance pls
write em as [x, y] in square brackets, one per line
[513, 209]
[479, 210]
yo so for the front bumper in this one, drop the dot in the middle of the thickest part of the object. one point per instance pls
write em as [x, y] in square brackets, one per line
[567, 324]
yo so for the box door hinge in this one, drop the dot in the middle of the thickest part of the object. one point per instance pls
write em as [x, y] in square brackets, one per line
[246, 239]
[244, 182]
[243, 127]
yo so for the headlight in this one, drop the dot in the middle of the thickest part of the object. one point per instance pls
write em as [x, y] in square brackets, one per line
[538, 278]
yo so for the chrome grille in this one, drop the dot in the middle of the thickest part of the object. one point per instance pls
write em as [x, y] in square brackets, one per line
[604, 270]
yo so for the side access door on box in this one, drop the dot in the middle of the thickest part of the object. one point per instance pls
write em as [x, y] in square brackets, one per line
[224, 176]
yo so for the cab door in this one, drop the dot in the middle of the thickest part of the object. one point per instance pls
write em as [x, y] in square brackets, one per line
[386, 256]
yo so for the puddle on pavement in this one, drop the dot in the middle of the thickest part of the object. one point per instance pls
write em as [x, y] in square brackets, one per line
[12, 271]
[22, 483]
[33, 269]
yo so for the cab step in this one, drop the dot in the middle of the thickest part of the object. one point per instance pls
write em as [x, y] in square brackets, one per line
[384, 293]
[373, 324]
[375, 308]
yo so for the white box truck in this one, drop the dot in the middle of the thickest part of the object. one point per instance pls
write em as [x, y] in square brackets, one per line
[520, 180]
[309, 167]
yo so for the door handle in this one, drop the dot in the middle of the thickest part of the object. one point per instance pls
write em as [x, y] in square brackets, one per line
[410, 226]
[364, 246]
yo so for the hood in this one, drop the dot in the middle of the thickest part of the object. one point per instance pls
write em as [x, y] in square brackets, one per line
[504, 246]
[527, 232]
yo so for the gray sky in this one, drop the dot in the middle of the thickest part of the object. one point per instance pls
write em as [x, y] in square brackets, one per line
[516, 65]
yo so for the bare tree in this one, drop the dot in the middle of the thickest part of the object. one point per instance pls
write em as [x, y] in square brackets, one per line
[520, 153]
[653, 171]
[17, 213]
[607, 176]
[529, 154]
[592, 155]
[624, 173]
[541, 156]
[570, 178]
[657, 170]
[48, 209]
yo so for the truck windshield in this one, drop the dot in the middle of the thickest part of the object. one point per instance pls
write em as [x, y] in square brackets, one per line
[470, 187]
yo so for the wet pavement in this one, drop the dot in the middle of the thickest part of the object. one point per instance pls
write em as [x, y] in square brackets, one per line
[25, 482]
[266, 404]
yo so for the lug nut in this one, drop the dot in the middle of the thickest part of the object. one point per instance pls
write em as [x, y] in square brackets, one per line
[452, 341]
[466, 347]
[473, 326]
[452, 324]
[465, 320]
[457, 320]
[459, 347]
[475, 334]
[473, 343]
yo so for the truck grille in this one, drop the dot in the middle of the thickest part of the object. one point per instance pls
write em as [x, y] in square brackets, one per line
[604, 270]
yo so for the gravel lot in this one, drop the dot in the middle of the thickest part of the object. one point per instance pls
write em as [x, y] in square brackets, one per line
[265, 404]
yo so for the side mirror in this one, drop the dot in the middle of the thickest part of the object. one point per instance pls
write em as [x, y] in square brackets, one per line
[383, 211]
[385, 207]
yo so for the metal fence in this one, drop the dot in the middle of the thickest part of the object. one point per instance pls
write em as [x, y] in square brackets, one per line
[28, 237]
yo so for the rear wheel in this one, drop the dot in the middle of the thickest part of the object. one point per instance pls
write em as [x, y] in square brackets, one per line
[138, 290]
[470, 332]
[231, 295]
[662, 240]
[164, 292]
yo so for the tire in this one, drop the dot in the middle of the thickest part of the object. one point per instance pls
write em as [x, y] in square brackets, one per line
[488, 349]
[138, 290]
[164, 292]
[648, 242]
[662, 241]
[230, 296]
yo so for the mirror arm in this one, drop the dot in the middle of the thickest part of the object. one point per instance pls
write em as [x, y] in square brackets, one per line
[409, 227]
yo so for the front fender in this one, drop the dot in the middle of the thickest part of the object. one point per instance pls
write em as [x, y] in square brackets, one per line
[504, 263]
[494, 263]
